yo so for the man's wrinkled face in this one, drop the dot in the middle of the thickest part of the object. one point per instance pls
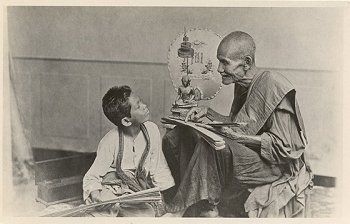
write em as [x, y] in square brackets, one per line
[139, 111]
[231, 70]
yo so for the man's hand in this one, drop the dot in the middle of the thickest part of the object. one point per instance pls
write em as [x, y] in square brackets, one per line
[196, 113]
[230, 133]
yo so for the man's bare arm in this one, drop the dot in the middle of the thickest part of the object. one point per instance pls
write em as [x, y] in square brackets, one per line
[248, 140]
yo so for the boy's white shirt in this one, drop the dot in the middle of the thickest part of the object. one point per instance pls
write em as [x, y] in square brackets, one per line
[155, 163]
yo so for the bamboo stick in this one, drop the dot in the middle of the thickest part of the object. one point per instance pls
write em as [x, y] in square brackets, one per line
[149, 195]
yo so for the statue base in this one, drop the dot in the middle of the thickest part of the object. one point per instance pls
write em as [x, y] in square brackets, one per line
[180, 112]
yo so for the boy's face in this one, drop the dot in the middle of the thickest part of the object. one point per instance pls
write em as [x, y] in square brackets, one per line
[139, 111]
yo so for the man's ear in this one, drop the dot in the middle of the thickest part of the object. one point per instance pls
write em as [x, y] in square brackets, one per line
[248, 62]
[126, 122]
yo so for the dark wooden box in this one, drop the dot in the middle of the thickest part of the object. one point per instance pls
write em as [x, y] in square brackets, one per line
[59, 174]
[60, 190]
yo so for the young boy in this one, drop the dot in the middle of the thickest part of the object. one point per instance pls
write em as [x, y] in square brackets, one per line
[129, 157]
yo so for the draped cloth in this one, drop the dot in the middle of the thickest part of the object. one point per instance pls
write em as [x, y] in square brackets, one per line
[206, 174]
[22, 155]
[284, 197]
[106, 159]
[124, 182]
[140, 181]
[276, 173]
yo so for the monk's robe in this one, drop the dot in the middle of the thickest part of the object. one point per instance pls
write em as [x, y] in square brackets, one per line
[275, 173]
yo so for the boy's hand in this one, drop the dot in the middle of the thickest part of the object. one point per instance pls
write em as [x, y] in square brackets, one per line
[96, 198]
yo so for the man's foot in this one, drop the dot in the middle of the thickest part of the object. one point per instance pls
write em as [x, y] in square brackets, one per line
[211, 213]
[174, 214]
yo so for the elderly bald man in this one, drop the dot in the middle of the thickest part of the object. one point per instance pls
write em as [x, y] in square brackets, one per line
[262, 171]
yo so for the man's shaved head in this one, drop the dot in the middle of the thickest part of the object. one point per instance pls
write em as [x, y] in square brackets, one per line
[237, 45]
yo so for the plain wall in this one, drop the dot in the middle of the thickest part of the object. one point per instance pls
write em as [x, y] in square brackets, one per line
[64, 58]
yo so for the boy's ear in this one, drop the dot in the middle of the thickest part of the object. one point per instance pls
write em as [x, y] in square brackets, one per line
[126, 122]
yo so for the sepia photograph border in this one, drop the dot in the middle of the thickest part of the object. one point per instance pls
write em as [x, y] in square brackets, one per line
[7, 192]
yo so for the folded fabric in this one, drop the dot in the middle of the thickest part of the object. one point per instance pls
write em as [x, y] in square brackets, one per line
[111, 179]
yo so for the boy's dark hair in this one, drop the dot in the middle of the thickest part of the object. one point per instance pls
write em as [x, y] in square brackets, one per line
[115, 104]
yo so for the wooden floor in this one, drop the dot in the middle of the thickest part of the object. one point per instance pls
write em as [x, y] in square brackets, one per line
[323, 202]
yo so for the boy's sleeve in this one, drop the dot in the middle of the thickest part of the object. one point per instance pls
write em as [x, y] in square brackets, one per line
[104, 159]
[160, 171]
